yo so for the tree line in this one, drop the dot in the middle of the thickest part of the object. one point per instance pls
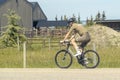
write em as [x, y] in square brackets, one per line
[89, 20]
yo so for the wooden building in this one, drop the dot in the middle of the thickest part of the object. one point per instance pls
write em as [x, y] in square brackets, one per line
[30, 12]
[114, 24]
[45, 23]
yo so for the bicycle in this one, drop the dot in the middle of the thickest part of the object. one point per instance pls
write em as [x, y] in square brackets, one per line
[88, 58]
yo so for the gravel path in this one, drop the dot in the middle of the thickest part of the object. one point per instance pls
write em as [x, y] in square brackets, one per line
[60, 74]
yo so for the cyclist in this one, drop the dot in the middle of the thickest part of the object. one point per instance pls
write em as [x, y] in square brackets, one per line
[79, 34]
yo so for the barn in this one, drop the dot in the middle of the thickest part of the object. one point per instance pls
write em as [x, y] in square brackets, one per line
[30, 12]
[114, 24]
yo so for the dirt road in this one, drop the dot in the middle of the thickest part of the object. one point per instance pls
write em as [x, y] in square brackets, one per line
[60, 74]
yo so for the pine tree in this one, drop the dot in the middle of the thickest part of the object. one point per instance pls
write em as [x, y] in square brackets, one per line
[65, 17]
[61, 18]
[98, 16]
[87, 21]
[79, 19]
[12, 32]
[74, 17]
[91, 21]
[56, 18]
[103, 15]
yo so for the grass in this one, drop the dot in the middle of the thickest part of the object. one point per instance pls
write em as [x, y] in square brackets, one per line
[43, 57]
[10, 58]
[110, 57]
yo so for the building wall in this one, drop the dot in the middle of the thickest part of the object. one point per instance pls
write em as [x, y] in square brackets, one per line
[28, 12]
[3, 10]
[22, 8]
[25, 11]
[38, 13]
[114, 24]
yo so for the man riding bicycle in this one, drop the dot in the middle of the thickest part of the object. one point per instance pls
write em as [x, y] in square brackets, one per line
[80, 34]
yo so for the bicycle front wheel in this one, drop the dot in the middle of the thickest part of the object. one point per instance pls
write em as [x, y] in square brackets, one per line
[63, 59]
[91, 59]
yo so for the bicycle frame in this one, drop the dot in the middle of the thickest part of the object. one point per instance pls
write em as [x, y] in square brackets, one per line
[68, 49]
[79, 58]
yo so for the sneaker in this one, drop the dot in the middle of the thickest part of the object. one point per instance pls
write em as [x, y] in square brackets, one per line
[77, 54]
[86, 62]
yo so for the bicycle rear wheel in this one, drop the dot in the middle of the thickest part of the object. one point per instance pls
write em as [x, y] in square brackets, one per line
[91, 59]
[63, 59]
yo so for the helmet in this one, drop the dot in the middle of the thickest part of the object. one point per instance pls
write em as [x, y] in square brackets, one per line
[71, 20]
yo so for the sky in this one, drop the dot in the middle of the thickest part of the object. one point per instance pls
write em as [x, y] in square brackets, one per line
[84, 8]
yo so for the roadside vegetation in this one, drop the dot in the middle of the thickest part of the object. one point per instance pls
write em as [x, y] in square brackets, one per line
[39, 56]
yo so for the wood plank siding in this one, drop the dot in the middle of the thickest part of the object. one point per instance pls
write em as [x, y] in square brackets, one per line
[114, 24]
[26, 10]
[37, 12]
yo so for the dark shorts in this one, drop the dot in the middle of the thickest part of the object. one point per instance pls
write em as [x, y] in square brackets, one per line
[84, 39]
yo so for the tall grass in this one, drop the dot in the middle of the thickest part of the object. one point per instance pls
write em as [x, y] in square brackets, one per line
[10, 58]
[110, 57]
[43, 57]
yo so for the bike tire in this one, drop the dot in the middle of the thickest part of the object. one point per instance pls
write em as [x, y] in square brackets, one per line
[63, 59]
[91, 59]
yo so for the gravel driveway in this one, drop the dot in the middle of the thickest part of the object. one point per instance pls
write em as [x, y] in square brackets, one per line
[60, 74]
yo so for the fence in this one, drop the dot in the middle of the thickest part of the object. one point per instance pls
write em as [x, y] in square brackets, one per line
[46, 32]
[45, 42]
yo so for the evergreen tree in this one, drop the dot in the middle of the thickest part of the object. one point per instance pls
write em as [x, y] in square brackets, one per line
[79, 19]
[65, 17]
[87, 21]
[103, 15]
[12, 32]
[98, 16]
[56, 18]
[91, 21]
[61, 18]
[74, 17]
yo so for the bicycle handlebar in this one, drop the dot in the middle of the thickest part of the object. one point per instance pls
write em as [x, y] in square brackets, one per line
[66, 41]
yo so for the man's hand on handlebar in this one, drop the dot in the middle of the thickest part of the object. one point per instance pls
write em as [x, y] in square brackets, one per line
[64, 41]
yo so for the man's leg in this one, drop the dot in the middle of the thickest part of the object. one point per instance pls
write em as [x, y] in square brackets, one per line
[79, 51]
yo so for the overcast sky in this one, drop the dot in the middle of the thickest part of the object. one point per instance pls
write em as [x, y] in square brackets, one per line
[85, 8]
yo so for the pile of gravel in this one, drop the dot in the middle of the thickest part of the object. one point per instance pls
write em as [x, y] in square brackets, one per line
[103, 35]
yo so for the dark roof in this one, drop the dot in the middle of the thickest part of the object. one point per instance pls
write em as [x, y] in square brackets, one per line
[33, 4]
[102, 21]
[44, 23]
[2, 2]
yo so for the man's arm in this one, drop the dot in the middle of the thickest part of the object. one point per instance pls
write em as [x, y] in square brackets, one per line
[66, 36]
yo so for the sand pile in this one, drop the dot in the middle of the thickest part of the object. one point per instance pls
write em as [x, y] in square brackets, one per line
[102, 35]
